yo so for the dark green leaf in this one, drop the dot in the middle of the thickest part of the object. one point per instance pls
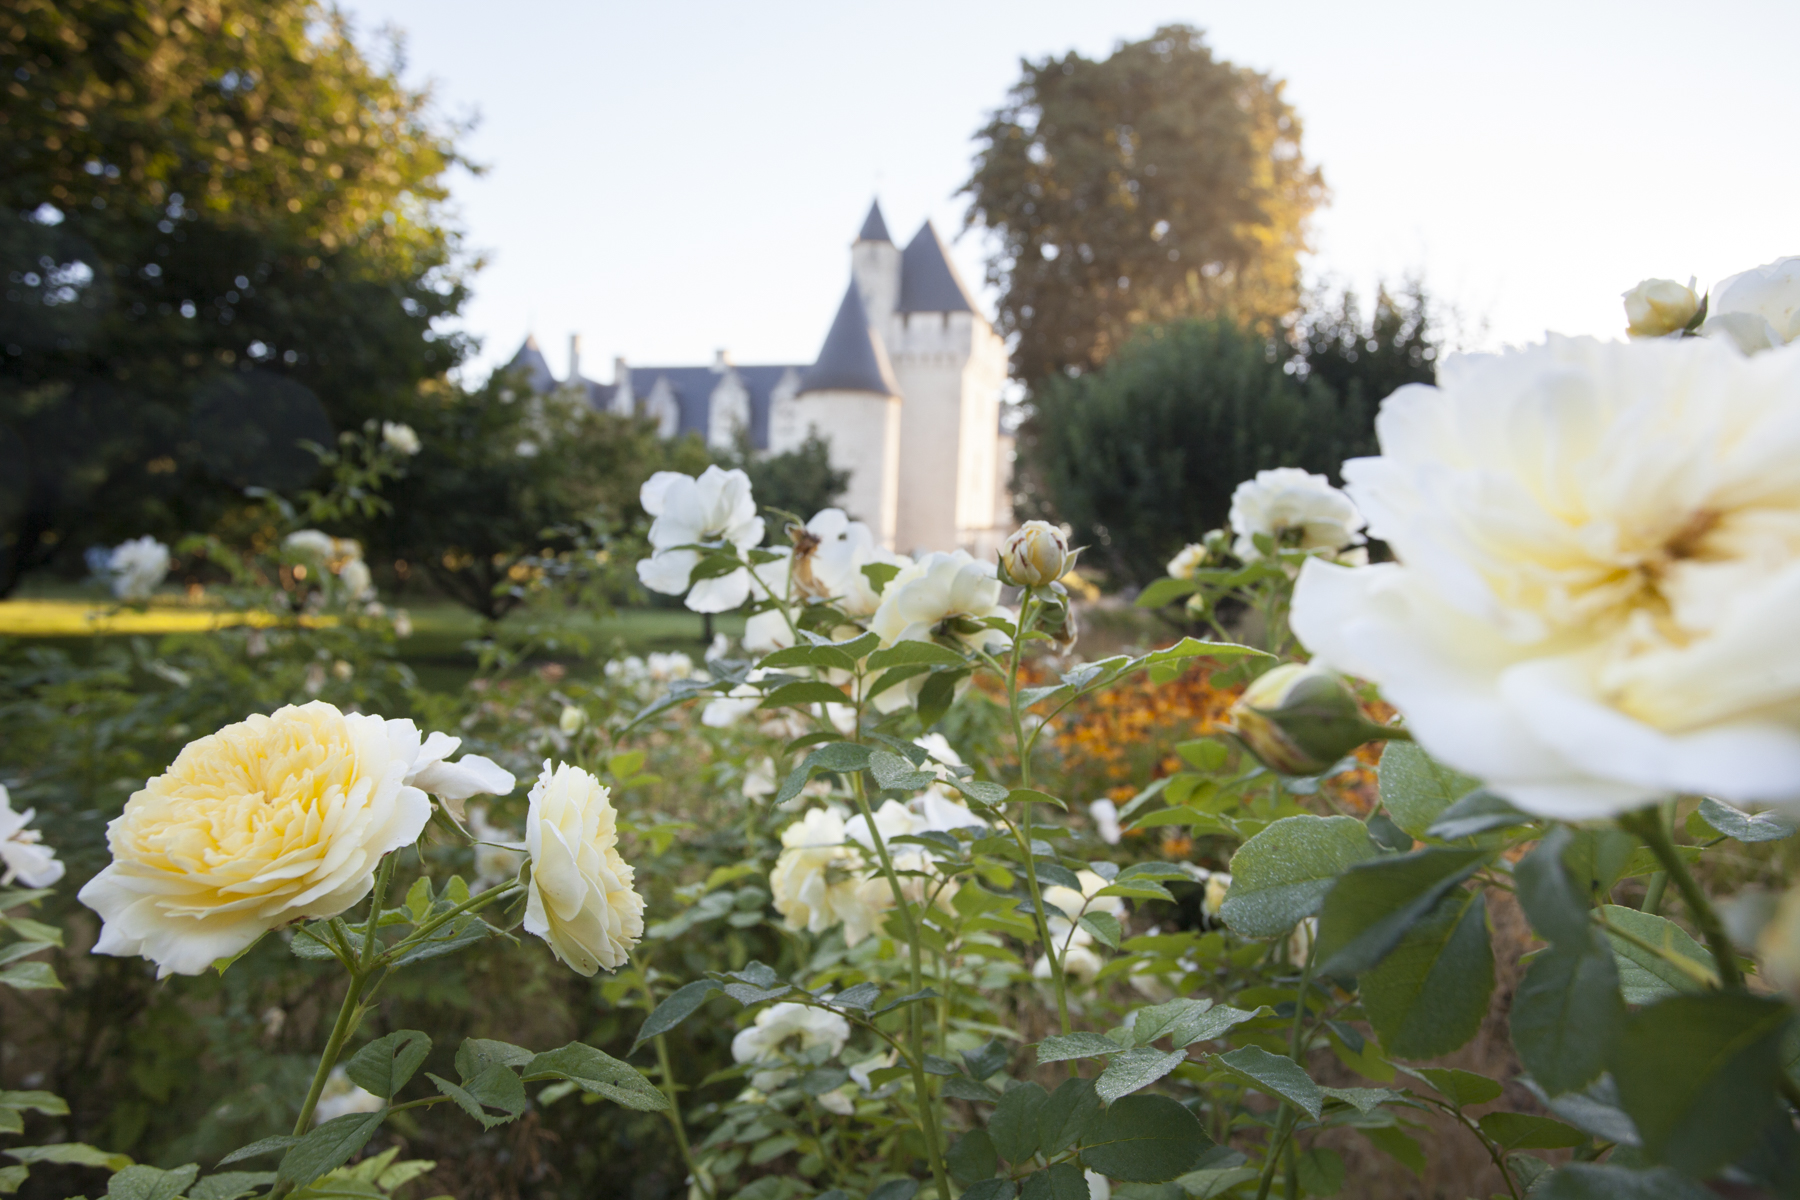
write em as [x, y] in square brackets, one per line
[961, 1087]
[991, 1189]
[1461, 1088]
[268, 1145]
[1567, 1013]
[938, 694]
[836, 756]
[909, 998]
[1594, 1181]
[987, 1060]
[804, 692]
[385, 1064]
[895, 1189]
[861, 997]
[1405, 1149]
[681, 1004]
[829, 657]
[1131, 1070]
[1645, 977]
[1281, 875]
[77, 1153]
[1595, 1109]
[1072, 1107]
[893, 771]
[1416, 789]
[230, 1185]
[1014, 1123]
[1476, 813]
[600, 1074]
[1104, 927]
[820, 1080]
[1598, 858]
[1274, 1075]
[149, 1183]
[1320, 1171]
[476, 1055]
[30, 976]
[934, 1064]
[1033, 796]
[1374, 903]
[1517, 1131]
[1062, 1047]
[497, 1087]
[972, 1157]
[1056, 875]
[328, 1147]
[1430, 994]
[1166, 591]
[1061, 1181]
[1144, 1138]
[1549, 894]
[1745, 827]
[1698, 1074]
[905, 654]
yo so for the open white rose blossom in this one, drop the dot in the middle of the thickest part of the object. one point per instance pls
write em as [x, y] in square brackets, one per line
[580, 901]
[271, 820]
[1757, 309]
[713, 509]
[821, 879]
[22, 851]
[1596, 601]
[928, 595]
[1294, 508]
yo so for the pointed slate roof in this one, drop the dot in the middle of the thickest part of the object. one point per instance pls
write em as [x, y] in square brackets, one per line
[853, 358]
[531, 360]
[928, 280]
[874, 228]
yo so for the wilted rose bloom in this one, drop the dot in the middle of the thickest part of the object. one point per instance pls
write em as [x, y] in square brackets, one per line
[1657, 307]
[26, 858]
[1598, 588]
[399, 438]
[921, 601]
[1294, 508]
[1036, 554]
[137, 568]
[1757, 309]
[715, 509]
[821, 879]
[265, 822]
[1184, 564]
[580, 901]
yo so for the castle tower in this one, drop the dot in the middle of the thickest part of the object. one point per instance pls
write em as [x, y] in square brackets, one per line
[850, 395]
[875, 262]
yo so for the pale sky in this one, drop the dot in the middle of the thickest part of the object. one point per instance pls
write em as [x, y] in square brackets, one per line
[670, 179]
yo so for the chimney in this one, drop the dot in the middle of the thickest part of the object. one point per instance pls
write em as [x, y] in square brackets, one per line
[721, 361]
[574, 358]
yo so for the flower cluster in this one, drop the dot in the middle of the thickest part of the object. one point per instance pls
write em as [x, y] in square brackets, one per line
[343, 557]
[133, 569]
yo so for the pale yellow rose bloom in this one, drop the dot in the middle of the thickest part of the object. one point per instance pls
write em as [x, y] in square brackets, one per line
[581, 900]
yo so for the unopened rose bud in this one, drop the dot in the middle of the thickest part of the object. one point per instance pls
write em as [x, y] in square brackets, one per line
[1299, 719]
[1657, 307]
[572, 719]
[1036, 555]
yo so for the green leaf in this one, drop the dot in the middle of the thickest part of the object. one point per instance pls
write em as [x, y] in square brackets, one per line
[1071, 1108]
[1645, 977]
[1320, 1171]
[1131, 1070]
[1373, 904]
[1517, 1131]
[1402, 1146]
[385, 1064]
[13, 1178]
[1274, 1075]
[30, 976]
[1698, 1076]
[804, 692]
[230, 1185]
[149, 1183]
[599, 1074]
[906, 654]
[1364, 1100]
[1104, 927]
[1203, 754]
[972, 1157]
[1060, 1181]
[35, 931]
[1014, 1123]
[1166, 591]
[893, 771]
[1549, 894]
[1566, 1014]
[497, 1087]
[1281, 875]
[828, 657]
[938, 694]
[841, 757]
[1416, 789]
[1144, 1138]
[1598, 858]
[476, 1055]
[1461, 1088]
[987, 1060]
[1057, 875]
[1594, 1181]
[48, 1103]
[681, 1004]
[268, 1145]
[1196, 1021]
[1033, 796]
[1430, 994]
[990, 1189]
[328, 1147]
[1477, 813]
[78, 1154]
[1745, 827]
[1064, 1046]
[1213, 1183]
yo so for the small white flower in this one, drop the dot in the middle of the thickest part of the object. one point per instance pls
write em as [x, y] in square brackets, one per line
[581, 900]
[340, 1098]
[1295, 509]
[785, 1028]
[22, 850]
[1184, 564]
[137, 568]
[715, 509]
[403, 626]
[572, 719]
[1105, 815]
[1087, 900]
[1218, 886]
[358, 583]
[834, 568]
[839, 1101]
[400, 438]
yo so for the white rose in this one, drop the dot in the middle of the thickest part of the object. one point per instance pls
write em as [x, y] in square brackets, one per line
[732, 707]
[715, 509]
[1191, 559]
[785, 1028]
[22, 850]
[819, 881]
[1757, 309]
[267, 821]
[572, 719]
[1657, 307]
[454, 782]
[138, 568]
[1294, 508]
[835, 565]
[759, 780]
[1105, 815]
[1597, 598]
[581, 901]
[340, 1098]
[1035, 554]
[315, 544]
[399, 438]
[937, 588]
[1074, 904]
[358, 583]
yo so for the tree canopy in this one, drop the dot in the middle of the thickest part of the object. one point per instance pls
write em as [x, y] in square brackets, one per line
[222, 233]
[1158, 183]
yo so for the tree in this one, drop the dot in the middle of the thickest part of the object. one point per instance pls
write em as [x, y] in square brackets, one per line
[1156, 184]
[1141, 456]
[800, 481]
[1363, 363]
[220, 225]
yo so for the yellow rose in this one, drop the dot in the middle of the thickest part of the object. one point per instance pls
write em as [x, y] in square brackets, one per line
[580, 901]
[268, 821]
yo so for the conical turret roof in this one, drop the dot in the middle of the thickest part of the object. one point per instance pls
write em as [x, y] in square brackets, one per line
[928, 280]
[874, 228]
[530, 359]
[853, 358]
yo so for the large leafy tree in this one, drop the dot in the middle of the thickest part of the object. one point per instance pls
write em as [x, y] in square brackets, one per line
[221, 231]
[1158, 183]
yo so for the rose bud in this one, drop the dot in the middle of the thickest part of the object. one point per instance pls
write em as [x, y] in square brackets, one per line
[1036, 555]
[1300, 719]
[1657, 307]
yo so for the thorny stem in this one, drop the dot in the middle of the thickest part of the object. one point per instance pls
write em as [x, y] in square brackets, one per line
[668, 1087]
[1648, 825]
[349, 1016]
